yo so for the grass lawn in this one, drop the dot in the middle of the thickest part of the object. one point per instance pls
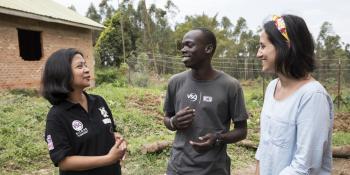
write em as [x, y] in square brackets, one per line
[138, 114]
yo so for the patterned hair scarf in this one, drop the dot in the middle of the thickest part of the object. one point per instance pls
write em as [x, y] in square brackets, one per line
[281, 26]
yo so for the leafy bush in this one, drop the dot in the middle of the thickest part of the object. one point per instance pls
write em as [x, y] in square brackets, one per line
[105, 75]
[25, 92]
[140, 79]
[112, 75]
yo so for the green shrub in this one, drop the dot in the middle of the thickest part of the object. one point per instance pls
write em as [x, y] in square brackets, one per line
[105, 75]
[25, 92]
[112, 75]
[140, 79]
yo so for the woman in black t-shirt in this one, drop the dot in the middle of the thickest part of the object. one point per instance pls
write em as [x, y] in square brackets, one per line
[80, 131]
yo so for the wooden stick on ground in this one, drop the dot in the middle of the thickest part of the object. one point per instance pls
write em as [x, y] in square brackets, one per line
[155, 147]
[341, 151]
[337, 152]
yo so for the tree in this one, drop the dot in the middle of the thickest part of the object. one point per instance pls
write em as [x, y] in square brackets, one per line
[92, 13]
[109, 49]
[72, 7]
[106, 10]
[328, 44]
[147, 31]
[239, 37]
[171, 9]
[224, 38]
[347, 50]
[329, 50]
[196, 21]
[240, 27]
[157, 36]
[226, 24]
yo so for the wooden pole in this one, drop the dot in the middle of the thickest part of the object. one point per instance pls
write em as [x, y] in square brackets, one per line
[122, 30]
[339, 93]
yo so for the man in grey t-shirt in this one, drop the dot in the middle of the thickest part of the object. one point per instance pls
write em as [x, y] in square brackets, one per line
[200, 104]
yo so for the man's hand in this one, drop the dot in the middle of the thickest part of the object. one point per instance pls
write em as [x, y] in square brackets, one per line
[183, 119]
[206, 142]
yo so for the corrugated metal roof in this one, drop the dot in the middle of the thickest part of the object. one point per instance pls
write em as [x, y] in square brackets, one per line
[47, 10]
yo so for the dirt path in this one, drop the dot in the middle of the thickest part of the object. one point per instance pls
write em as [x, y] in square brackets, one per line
[250, 169]
[340, 167]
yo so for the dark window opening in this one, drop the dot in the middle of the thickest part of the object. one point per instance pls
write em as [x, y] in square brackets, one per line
[29, 44]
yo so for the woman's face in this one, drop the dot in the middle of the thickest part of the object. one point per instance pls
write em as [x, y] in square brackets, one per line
[266, 53]
[81, 73]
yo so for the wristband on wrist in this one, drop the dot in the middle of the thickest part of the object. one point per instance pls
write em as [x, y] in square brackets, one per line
[171, 123]
[218, 140]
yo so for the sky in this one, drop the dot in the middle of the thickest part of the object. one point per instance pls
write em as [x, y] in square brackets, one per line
[314, 12]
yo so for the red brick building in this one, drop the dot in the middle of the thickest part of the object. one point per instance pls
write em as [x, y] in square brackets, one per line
[30, 30]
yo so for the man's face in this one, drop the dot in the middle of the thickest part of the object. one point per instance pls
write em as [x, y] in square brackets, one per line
[194, 49]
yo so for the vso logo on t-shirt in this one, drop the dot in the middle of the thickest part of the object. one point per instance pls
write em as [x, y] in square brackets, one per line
[192, 96]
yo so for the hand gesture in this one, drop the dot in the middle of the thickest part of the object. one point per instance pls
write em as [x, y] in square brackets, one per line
[118, 136]
[117, 152]
[205, 142]
[183, 119]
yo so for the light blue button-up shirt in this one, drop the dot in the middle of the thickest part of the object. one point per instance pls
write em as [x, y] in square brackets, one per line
[296, 132]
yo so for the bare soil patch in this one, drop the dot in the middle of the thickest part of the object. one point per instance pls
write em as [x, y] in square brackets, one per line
[342, 121]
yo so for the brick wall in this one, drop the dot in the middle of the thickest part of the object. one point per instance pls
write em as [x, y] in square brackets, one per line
[18, 73]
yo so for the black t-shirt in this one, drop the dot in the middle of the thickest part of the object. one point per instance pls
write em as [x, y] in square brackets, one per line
[70, 130]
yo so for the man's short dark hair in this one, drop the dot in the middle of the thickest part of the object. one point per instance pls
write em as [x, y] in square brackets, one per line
[209, 36]
[57, 76]
[296, 58]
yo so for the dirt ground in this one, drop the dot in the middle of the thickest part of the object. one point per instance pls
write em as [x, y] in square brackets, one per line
[342, 122]
[340, 167]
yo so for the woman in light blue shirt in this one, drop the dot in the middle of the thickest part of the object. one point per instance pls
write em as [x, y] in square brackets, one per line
[297, 116]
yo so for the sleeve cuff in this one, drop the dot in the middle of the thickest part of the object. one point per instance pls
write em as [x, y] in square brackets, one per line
[59, 155]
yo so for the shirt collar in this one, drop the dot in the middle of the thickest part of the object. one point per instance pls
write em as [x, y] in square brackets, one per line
[67, 104]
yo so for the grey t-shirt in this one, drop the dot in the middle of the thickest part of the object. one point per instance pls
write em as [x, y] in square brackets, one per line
[216, 102]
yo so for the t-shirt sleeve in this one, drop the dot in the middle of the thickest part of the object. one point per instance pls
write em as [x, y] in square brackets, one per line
[169, 106]
[57, 140]
[237, 107]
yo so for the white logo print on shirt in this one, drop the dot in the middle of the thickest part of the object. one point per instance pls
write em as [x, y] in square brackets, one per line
[78, 126]
[103, 111]
[49, 142]
[207, 98]
[192, 96]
